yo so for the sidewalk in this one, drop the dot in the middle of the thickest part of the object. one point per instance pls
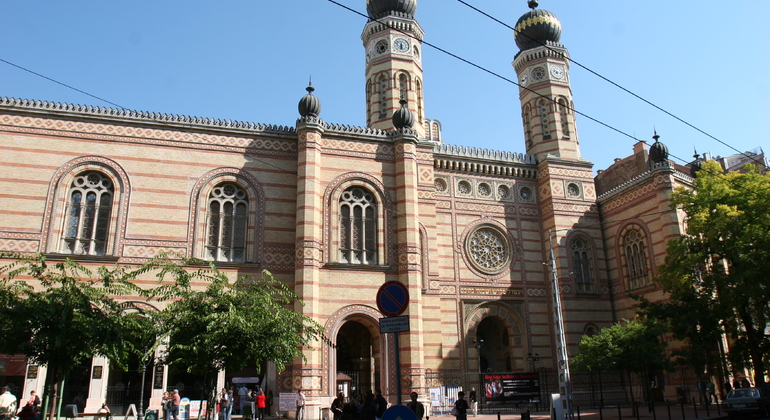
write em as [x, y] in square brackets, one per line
[611, 413]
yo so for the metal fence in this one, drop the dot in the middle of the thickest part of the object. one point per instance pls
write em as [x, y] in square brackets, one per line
[589, 390]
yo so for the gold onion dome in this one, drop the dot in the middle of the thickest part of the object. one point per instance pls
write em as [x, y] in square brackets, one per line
[379, 8]
[536, 28]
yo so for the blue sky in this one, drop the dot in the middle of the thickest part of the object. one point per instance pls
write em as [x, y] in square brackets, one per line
[705, 61]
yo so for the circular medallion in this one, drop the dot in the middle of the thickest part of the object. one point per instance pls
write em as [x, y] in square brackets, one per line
[485, 190]
[538, 73]
[488, 250]
[381, 46]
[557, 72]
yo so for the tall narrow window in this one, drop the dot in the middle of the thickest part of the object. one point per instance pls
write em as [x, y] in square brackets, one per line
[358, 227]
[582, 266]
[543, 109]
[402, 87]
[383, 97]
[418, 92]
[527, 128]
[89, 208]
[226, 223]
[563, 117]
[636, 259]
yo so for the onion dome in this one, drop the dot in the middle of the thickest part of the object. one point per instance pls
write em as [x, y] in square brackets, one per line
[309, 105]
[403, 118]
[696, 165]
[379, 8]
[658, 150]
[536, 27]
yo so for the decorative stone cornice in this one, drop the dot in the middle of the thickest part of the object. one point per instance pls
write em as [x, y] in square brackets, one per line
[65, 109]
[550, 50]
[655, 169]
[484, 161]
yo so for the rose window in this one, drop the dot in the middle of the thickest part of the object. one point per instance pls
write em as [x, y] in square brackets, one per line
[488, 250]
[503, 191]
[464, 187]
[485, 190]
[440, 185]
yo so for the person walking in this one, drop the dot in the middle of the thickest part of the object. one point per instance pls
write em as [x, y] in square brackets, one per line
[417, 407]
[7, 404]
[462, 407]
[300, 403]
[474, 402]
[382, 404]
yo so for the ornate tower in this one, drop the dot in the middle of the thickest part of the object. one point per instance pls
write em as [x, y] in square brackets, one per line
[393, 42]
[542, 67]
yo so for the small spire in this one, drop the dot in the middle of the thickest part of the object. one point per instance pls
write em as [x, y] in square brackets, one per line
[310, 87]
[655, 136]
[696, 155]
[532, 4]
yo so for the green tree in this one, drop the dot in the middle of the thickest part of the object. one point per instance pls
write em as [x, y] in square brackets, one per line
[62, 314]
[214, 323]
[721, 266]
[634, 347]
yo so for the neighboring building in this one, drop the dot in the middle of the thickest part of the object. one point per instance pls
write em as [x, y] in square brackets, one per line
[336, 211]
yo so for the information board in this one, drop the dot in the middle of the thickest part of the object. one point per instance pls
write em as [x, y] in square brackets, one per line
[512, 387]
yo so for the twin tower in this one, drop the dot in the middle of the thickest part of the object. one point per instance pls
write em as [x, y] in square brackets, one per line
[394, 72]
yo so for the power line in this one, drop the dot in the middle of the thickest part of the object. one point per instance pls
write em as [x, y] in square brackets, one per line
[499, 76]
[613, 83]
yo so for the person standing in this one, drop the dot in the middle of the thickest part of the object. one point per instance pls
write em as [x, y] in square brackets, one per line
[176, 399]
[242, 392]
[7, 404]
[338, 406]
[34, 400]
[224, 404]
[417, 407]
[382, 404]
[474, 402]
[261, 404]
[300, 403]
[462, 406]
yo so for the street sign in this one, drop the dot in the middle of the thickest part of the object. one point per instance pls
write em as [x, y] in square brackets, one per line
[392, 298]
[394, 324]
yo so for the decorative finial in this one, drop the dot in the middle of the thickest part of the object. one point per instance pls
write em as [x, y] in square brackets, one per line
[532, 4]
[696, 155]
[655, 136]
[310, 87]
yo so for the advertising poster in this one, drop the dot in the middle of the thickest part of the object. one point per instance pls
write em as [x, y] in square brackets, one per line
[512, 388]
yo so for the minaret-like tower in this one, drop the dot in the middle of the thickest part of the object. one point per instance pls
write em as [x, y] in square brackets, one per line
[542, 67]
[393, 42]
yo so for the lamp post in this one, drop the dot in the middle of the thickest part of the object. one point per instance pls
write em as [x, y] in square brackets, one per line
[140, 412]
[533, 359]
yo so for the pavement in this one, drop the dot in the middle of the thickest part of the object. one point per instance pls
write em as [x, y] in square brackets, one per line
[662, 412]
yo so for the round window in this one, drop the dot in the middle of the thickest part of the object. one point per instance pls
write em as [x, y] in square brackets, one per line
[488, 250]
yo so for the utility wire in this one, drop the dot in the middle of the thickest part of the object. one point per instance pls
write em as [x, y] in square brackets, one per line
[499, 76]
[613, 83]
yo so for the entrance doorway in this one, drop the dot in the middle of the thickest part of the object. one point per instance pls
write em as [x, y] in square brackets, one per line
[495, 352]
[358, 359]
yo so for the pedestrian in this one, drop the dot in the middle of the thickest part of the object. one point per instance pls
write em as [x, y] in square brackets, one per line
[417, 407]
[103, 413]
[474, 402]
[382, 404]
[166, 403]
[261, 400]
[726, 388]
[242, 392]
[461, 406]
[224, 404]
[368, 408]
[7, 404]
[34, 400]
[176, 399]
[300, 404]
[338, 406]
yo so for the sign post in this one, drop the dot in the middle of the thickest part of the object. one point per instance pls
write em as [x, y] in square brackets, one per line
[392, 300]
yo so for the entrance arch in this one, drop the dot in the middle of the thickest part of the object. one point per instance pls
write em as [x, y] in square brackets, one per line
[360, 357]
[495, 339]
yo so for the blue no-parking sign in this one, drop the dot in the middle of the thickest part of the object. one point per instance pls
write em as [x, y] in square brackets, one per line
[392, 298]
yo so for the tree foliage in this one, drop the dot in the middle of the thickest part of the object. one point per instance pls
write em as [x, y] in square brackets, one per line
[633, 346]
[719, 270]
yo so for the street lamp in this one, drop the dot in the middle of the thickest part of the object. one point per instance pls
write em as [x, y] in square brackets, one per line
[140, 413]
[533, 359]
[478, 344]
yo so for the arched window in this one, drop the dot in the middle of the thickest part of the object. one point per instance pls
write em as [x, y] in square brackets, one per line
[383, 97]
[563, 116]
[88, 215]
[582, 266]
[418, 92]
[358, 227]
[543, 110]
[634, 245]
[227, 223]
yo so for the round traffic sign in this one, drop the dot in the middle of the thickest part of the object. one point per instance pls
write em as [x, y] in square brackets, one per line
[392, 298]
